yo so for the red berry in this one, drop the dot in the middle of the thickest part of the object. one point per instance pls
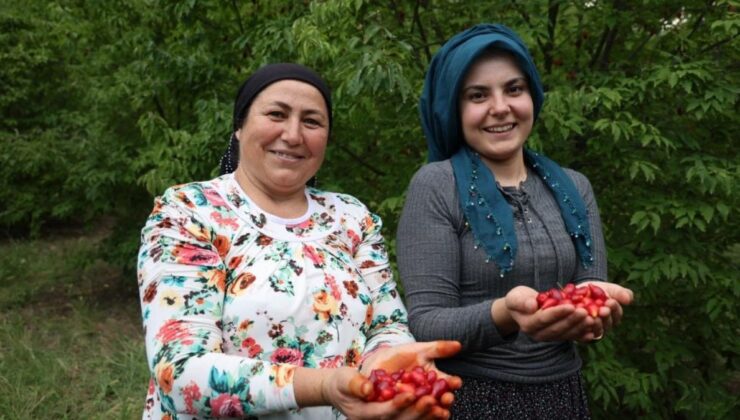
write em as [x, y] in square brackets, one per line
[440, 387]
[550, 302]
[422, 391]
[597, 292]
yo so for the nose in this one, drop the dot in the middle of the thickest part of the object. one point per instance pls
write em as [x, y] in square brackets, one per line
[292, 132]
[498, 105]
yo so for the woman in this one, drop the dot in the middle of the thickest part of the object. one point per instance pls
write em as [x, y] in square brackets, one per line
[261, 296]
[488, 223]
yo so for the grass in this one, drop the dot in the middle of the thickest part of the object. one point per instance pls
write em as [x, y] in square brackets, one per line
[71, 342]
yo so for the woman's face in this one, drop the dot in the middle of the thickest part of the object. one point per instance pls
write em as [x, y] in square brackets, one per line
[496, 109]
[283, 139]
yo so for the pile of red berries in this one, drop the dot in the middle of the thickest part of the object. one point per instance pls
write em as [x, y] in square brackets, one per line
[417, 381]
[590, 297]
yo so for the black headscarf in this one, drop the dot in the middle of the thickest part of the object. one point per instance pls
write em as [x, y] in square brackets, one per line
[255, 84]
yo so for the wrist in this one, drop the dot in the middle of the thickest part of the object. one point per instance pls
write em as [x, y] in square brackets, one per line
[502, 318]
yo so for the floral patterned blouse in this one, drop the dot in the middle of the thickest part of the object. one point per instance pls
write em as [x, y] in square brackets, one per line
[234, 299]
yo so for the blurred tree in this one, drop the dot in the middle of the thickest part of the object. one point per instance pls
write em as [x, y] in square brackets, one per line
[105, 104]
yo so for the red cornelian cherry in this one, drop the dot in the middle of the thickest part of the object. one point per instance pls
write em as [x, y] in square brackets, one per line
[589, 297]
[417, 381]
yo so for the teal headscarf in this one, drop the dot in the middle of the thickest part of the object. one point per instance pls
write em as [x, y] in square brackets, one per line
[487, 211]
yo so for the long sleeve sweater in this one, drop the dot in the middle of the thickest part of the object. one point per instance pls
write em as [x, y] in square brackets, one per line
[449, 286]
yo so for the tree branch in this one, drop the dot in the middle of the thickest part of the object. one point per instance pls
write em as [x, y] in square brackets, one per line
[359, 159]
[422, 34]
[238, 16]
[552, 17]
[718, 43]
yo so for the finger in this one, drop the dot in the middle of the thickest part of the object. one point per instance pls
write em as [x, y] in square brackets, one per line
[447, 399]
[616, 311]
[605, 314]
[575, 325]
[454, 382]
[403, 400]
[438, 412]
[424, 404]
[444, 348]
[359, 386]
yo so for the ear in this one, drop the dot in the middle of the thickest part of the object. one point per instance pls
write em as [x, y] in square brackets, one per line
[238, 134]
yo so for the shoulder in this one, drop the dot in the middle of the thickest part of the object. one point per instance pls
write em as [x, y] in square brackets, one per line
[580, 180]
[341, 203]
[434, 173]
[192, 196]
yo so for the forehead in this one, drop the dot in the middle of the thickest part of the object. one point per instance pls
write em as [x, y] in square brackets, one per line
[493, 66]
[293, 93]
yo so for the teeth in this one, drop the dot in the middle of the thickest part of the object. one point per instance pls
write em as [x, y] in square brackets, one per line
[286, 156]
[501, 128]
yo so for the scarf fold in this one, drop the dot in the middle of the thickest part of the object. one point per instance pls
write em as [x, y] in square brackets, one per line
[487, 211]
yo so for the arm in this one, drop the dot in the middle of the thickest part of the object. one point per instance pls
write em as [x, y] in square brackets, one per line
[388, 320]
[428, 250]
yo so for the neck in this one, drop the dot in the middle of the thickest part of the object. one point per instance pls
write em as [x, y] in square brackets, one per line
[508, 173]
[285, 204]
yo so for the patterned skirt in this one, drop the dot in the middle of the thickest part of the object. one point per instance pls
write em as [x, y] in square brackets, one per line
[480, 399]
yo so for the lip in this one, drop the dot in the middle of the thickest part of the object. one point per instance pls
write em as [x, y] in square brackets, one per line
[287, 156]
[497, 128]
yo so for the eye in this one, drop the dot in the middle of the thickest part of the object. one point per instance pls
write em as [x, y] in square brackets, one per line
[276, 114]
[517, 89]
[312, 123]
[476, 96]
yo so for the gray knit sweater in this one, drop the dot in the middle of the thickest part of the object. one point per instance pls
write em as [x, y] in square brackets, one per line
[449, 287]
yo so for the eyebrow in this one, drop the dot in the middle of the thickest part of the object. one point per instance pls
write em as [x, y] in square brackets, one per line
[485, 87]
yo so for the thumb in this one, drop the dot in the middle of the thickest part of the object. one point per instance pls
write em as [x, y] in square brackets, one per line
[441, 349]
[522, 299]
[359, 386]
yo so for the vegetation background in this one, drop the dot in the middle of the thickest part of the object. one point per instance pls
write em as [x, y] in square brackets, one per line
[105, 104]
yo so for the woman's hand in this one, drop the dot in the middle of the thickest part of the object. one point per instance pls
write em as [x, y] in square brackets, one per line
[410, 355]
[565, 322]
[611, 312]
[559, 323]
[346, 390]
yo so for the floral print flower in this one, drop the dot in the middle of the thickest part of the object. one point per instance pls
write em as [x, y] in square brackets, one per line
[286, 355]
[325, 306]
[192, 255]
[253, 349]
[282, 375]
[170, 298]
[165, 376]
[150, 292]
[227, 405]
[222, 245]
[217, 279]
[241, 283]
[191, 393]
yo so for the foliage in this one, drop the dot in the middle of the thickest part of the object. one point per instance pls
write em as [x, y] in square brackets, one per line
[107, 103]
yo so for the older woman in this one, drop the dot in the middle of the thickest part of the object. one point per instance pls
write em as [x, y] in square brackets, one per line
[487, 224]
[261, 296]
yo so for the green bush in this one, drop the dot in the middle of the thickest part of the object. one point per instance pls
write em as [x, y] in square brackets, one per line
[120, 99]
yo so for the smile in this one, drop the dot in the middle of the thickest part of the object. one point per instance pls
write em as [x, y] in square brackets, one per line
[286, 156]
[500, 128]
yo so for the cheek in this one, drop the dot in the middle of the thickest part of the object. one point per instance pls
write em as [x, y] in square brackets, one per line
[317, 144]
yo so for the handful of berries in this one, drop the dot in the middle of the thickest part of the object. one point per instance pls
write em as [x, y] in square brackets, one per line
[417, 381]
[590, 297]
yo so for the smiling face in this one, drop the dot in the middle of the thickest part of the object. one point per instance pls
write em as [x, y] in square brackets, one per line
[496, 109]
[283, 139]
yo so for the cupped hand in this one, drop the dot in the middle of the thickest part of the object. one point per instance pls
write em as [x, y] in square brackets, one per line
[346, 390]
[611, 312]
[558, 323]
